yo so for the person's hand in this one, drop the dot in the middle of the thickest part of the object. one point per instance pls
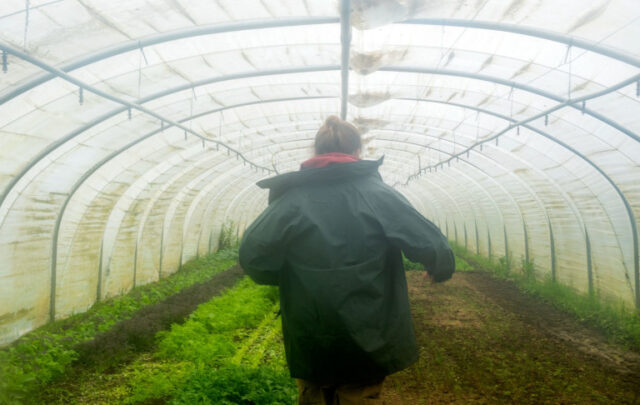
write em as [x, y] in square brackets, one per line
[426, 276]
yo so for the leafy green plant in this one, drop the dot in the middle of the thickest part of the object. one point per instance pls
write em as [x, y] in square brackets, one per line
[528, 271]
[228, 237]
[211, 330]
[224, 341]
[233, 385]
[462, 265]
[159, 382]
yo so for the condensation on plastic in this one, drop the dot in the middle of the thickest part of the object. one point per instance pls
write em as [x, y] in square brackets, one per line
[263, 85]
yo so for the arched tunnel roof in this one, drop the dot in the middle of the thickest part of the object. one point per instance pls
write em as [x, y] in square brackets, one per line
[133, 130]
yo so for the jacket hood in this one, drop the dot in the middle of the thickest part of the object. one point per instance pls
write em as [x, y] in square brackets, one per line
[278, 185]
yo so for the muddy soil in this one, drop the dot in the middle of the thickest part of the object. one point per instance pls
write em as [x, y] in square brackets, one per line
[557, 324]
[483, 341]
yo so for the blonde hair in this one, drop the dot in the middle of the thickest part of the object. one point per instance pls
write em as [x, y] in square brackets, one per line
[337, 135]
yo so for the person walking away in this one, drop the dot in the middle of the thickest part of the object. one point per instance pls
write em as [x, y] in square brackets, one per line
[332, 238]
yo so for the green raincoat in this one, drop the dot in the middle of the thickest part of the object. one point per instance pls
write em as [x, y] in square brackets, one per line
[331, 239]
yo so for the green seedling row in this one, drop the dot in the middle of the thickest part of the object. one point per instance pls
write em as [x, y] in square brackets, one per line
[221, 350]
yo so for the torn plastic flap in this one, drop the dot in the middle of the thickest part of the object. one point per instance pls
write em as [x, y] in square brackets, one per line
[369, 99]
[365, 63]
[368, 14]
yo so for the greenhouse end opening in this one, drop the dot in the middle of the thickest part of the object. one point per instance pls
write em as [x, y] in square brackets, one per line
[319, 201]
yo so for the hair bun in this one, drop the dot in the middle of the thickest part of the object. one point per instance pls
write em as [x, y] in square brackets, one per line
[333, 120]
[336, 135]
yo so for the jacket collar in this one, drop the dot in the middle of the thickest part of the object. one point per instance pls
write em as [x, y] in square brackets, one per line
[278, 185]
[328, 159]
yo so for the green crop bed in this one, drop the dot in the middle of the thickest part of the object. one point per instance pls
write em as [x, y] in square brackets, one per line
[229, 351]
[43, 355]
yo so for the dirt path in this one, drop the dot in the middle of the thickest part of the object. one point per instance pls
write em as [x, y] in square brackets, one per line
[483, 341]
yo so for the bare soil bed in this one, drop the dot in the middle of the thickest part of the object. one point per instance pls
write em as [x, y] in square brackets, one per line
[483, 341]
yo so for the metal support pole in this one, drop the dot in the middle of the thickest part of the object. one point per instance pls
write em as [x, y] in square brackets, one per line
[526, 242]
[553, 252]
[506, 247]
[345, 40]
[99, 283]
[135, 265]
[466, 244]
[161, 251]
[455, 231]
[589, 264]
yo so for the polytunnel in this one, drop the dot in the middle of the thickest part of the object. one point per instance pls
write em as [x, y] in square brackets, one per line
[133, 131]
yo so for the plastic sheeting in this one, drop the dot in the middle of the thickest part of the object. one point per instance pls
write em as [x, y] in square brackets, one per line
[513, 125]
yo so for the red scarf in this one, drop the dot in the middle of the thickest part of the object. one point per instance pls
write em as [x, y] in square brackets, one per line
[327, 159]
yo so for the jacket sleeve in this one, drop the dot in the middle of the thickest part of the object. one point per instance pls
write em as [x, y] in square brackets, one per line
[418, 238]
[262, 250]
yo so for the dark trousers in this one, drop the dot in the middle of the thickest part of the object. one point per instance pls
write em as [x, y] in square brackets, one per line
[310, 393]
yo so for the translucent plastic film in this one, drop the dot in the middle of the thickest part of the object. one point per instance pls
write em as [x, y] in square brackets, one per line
[132, 131]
